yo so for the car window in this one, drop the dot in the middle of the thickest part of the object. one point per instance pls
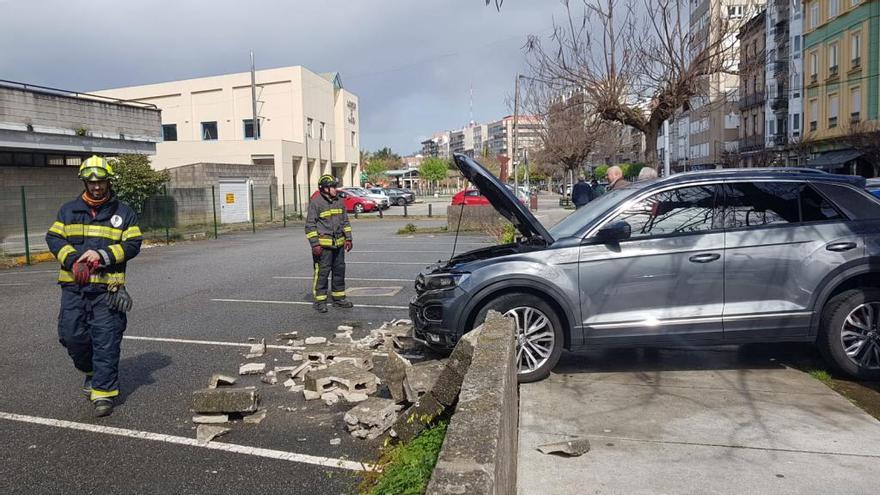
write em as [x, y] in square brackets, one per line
[815, 208]
[754, 204]
[852, 202]
[472, 192]
[586, 215]
[684, 210]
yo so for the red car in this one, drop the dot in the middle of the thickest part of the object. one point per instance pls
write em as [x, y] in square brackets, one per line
[353, 202]
[469, 197]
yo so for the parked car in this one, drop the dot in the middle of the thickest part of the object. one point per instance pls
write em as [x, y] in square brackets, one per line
[469, 197]
[400, 197]
[379, 198]
[354, 203]
[873, 187]
[699, 258]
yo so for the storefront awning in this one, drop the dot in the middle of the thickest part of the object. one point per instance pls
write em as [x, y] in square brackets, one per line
[834, 159]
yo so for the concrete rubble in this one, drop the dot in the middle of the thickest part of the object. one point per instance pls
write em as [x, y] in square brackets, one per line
[218, 379]
[251, 368]
[572, 448]
[206, 433]
[225, 400]
[286, 336]
[371, 418]
[315, 340]
[210, 418]
[270, 378]
[336, 353]
[420, 378]
[257, 350]
[345, 376]
[395, 374]
[255, 418]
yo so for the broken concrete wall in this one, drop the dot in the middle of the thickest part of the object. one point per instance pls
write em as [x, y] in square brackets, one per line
[479, 452]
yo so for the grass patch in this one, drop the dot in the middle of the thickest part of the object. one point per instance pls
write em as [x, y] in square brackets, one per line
[422, 230]
[821, 375]
[409, 228]
[406, 468]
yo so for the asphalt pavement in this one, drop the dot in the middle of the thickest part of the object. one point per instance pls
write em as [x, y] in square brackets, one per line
[196, 304]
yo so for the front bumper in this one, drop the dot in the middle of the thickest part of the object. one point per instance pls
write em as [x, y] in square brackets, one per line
[437, 317]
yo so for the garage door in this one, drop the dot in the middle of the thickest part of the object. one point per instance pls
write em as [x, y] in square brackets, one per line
[235, 201]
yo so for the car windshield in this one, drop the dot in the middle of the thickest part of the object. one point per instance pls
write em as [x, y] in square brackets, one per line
[588, 213]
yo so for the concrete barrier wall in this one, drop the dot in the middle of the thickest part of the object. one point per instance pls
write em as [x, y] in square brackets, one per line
[474, 217]
[479, 453]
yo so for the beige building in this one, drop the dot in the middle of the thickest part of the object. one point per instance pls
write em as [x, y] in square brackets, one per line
[308, 123]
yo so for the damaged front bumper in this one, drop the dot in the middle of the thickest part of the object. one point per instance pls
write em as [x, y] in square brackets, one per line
[437, 318]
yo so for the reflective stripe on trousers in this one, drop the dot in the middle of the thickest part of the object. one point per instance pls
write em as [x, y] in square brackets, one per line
[330, 261]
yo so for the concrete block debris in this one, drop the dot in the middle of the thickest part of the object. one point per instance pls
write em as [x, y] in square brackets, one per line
[416, 418]
[336, 353]
[315, 340]
[343, 337]
[309, 395]
[218, 379]
[371, 418]
[286, 336]
[255, 418]
[270, 378]
[257, 350]
[571, 448]
[206, 433]
[330, 398]
[335, 441]
[225, 400]
[420, 378]
[210, 418]
[352, 397]
[345, 328]
[343, 375]
[395, 374]
[251, 368]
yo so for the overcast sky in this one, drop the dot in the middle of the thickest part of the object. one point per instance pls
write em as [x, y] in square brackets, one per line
[411, 62]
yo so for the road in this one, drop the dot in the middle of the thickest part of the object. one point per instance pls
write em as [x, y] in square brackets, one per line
[221, 293]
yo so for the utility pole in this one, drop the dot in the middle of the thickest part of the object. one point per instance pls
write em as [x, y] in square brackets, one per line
[515, 121]
[666, 148]
[255, 123]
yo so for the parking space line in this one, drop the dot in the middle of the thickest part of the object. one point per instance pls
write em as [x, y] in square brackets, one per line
[9, 285]
[350, 279]
[424, 263]
[27, 272]
[398, 251]
[192, 442]
[305, 303]
[204, 342]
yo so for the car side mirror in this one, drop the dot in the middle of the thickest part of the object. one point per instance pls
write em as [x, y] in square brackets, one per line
[614, 232]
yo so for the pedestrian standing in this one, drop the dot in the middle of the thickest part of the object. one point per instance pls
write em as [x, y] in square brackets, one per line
[581, 193]
[647, 173]
[329, 234]
[94, 238]
[615, 178]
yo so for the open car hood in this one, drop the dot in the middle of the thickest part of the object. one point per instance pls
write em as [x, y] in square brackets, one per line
[501, 198]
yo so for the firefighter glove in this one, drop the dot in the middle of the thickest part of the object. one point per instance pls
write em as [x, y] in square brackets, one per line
[82, 270]
[348, 245]
[120, 300]
[317, 250]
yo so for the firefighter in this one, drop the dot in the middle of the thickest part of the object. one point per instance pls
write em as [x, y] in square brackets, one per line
[329, 233]
[94, 238]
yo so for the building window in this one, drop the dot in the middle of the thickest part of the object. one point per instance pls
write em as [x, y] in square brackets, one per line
[796, 85]
[814, 114]
[855, 49]
[833, 8]
[833, 107]
[832, 59]
[855, 101]
[353, 139]
[321, 128]
[169, 132]
[309, 123]
[814, 14]
[797, 43]
[814, 66]
[796, 122]
[209, 131]
[248, 125]
[853, 3]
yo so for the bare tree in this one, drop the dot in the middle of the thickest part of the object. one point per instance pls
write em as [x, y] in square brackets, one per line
[637, 61]
[801, 147]
[865, 138]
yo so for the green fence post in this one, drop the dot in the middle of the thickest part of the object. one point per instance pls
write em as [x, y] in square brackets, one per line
[283, 205]
[253, 217]
[271, 211]
[214, 207]
[167, 210]
[429, 210]
[27, 243]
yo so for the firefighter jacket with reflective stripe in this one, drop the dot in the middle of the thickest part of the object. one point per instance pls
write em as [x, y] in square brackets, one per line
[111, 230]
[327, 223]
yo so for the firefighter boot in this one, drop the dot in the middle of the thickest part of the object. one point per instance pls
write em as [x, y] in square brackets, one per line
[320, 306]
[103, 406]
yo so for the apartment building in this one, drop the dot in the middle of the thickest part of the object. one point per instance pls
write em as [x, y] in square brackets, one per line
[796, 78]
[841, 39]
[528, 136]
[752, 97]
[307, 123]
[777, 43]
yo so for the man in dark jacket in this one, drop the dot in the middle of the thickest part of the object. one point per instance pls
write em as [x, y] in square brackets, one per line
[329, 233]
[581, 193]
[94, 238]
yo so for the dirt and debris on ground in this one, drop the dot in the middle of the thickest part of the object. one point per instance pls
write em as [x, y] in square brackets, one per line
[571, 448]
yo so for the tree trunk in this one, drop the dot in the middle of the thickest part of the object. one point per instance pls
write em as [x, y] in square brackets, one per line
[651, 133]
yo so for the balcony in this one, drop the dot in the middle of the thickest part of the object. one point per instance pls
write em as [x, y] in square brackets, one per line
[855, 118]
[751, 143]
[751, 100]
[814, 78]
[832, 72]
[832, 122]
[813, 126]
[855, 64]
[779, 103]
[780, 69]
[779, 139]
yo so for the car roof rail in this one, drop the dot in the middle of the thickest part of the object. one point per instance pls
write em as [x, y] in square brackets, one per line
[787, 170]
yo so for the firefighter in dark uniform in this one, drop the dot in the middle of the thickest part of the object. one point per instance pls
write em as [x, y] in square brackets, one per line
[93, 239]
[329, 233]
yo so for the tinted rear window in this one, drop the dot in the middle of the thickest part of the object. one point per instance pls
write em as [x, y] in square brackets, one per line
[857, 204]
[756, 204]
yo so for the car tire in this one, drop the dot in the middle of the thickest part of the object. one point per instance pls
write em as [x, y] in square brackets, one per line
[838, 333]
[401, 202]
[359, 208]
[519, 303]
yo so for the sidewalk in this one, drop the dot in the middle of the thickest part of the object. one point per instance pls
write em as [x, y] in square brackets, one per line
[695, 422]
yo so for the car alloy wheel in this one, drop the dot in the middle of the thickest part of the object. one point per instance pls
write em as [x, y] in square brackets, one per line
[401, 202]
[535, 338]
[359, 208]
[860, 335]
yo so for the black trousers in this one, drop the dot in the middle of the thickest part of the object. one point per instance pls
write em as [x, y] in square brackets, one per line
[330, 261]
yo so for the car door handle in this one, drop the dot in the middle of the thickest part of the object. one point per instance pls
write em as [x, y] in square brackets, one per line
[839, 247]
[704, 258]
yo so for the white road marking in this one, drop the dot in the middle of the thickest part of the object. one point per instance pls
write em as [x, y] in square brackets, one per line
[304, 303]
[398, 251]
[205, 342]
[8, 285]
[350, 279]
[192, 442]
[425, 263]
[28, 272]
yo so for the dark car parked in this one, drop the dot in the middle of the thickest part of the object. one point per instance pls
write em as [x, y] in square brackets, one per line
[700, 258]
[399, 197]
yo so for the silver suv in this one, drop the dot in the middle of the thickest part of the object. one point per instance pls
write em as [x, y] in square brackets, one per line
[701, 258]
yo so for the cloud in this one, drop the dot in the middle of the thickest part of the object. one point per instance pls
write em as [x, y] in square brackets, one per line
[410, 63]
